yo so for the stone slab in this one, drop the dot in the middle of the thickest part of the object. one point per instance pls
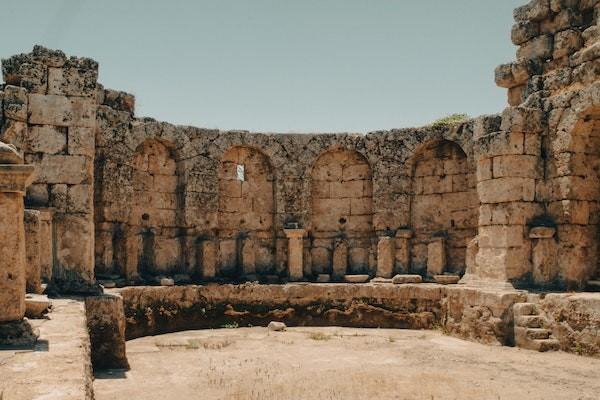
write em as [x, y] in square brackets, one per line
[36, 305]
[59, 365]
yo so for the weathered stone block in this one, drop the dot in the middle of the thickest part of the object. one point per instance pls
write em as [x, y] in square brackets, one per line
[524, 31]
[106, 325]
[540, 47]
[79, 199]
[62, 111]
[501, 236]
[37, 195]
[81, 141]
[503, 190]
[566, 43]
[46, 139]
[523, 119]
[64, 169]
[72, 81]
[15, 103]
[521, 166]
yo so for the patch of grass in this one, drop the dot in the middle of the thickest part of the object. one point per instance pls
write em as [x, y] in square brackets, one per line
[449, 120]
[319, 336]
[196, 344]
[232, 325]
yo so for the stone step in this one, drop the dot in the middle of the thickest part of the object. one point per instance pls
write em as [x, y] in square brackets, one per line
[538, 333]
[525, 309]
[530, 321]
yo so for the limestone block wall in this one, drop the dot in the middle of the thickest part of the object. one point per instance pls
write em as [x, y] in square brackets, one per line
[50, 116]
[444, 203]
[237, 191]
[541, 168]
[139, 198]
[342, 213]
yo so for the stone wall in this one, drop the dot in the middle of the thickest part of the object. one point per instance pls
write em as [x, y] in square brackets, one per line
[344, 189]
[539, 169]
[495, 197]
[50, 116]
[156, 310]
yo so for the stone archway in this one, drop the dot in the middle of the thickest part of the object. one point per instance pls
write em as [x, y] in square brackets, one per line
[246, 213]
[342, 213]
[444, 204]
[575, 203]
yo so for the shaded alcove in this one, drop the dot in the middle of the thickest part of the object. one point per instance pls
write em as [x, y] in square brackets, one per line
[444, 203]
[154, 208]
[342, 213]
[246, 213]
[574, 169]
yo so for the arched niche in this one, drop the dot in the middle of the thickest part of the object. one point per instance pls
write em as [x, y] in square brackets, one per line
[154, 207]
[246, 213]
[341, 212]
[444, 203]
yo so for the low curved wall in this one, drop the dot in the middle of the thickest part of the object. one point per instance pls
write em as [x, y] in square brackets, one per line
[156, 310]
[469, 313]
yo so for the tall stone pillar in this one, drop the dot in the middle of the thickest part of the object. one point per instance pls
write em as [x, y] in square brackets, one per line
[508, 170]
[403, 250]
[14, 178]
[46, 244]
[295, 253]
[436, 256]
[33, 251]
[385, 257]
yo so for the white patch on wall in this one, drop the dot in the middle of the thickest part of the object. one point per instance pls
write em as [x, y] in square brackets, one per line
[240, 172]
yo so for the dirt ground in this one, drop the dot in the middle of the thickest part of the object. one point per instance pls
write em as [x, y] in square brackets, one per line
[341, 363]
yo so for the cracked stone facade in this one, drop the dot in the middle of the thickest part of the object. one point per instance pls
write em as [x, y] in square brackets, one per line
[139, 198]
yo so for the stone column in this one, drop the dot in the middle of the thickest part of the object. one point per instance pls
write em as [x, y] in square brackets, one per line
[403, 250]
[14, 178]
[106, 325]
[436, 256]
[385, 257]
[46, 244]
[295, 253]
[340, 259]
[33, 251]
[210, 259]
[249, 257]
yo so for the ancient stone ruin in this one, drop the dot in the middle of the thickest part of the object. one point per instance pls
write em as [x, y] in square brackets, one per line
[507, 205]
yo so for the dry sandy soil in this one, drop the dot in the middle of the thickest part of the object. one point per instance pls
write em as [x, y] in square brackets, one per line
[341, 363]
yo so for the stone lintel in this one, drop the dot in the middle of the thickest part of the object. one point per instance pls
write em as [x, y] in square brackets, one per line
[404, 234]
[295, 233]
[542, 232]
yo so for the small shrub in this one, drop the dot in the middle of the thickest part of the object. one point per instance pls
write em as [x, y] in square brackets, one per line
[232, 325]
[449, 120]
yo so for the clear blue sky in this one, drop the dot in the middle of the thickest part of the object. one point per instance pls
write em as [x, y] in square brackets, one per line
[282, 65]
